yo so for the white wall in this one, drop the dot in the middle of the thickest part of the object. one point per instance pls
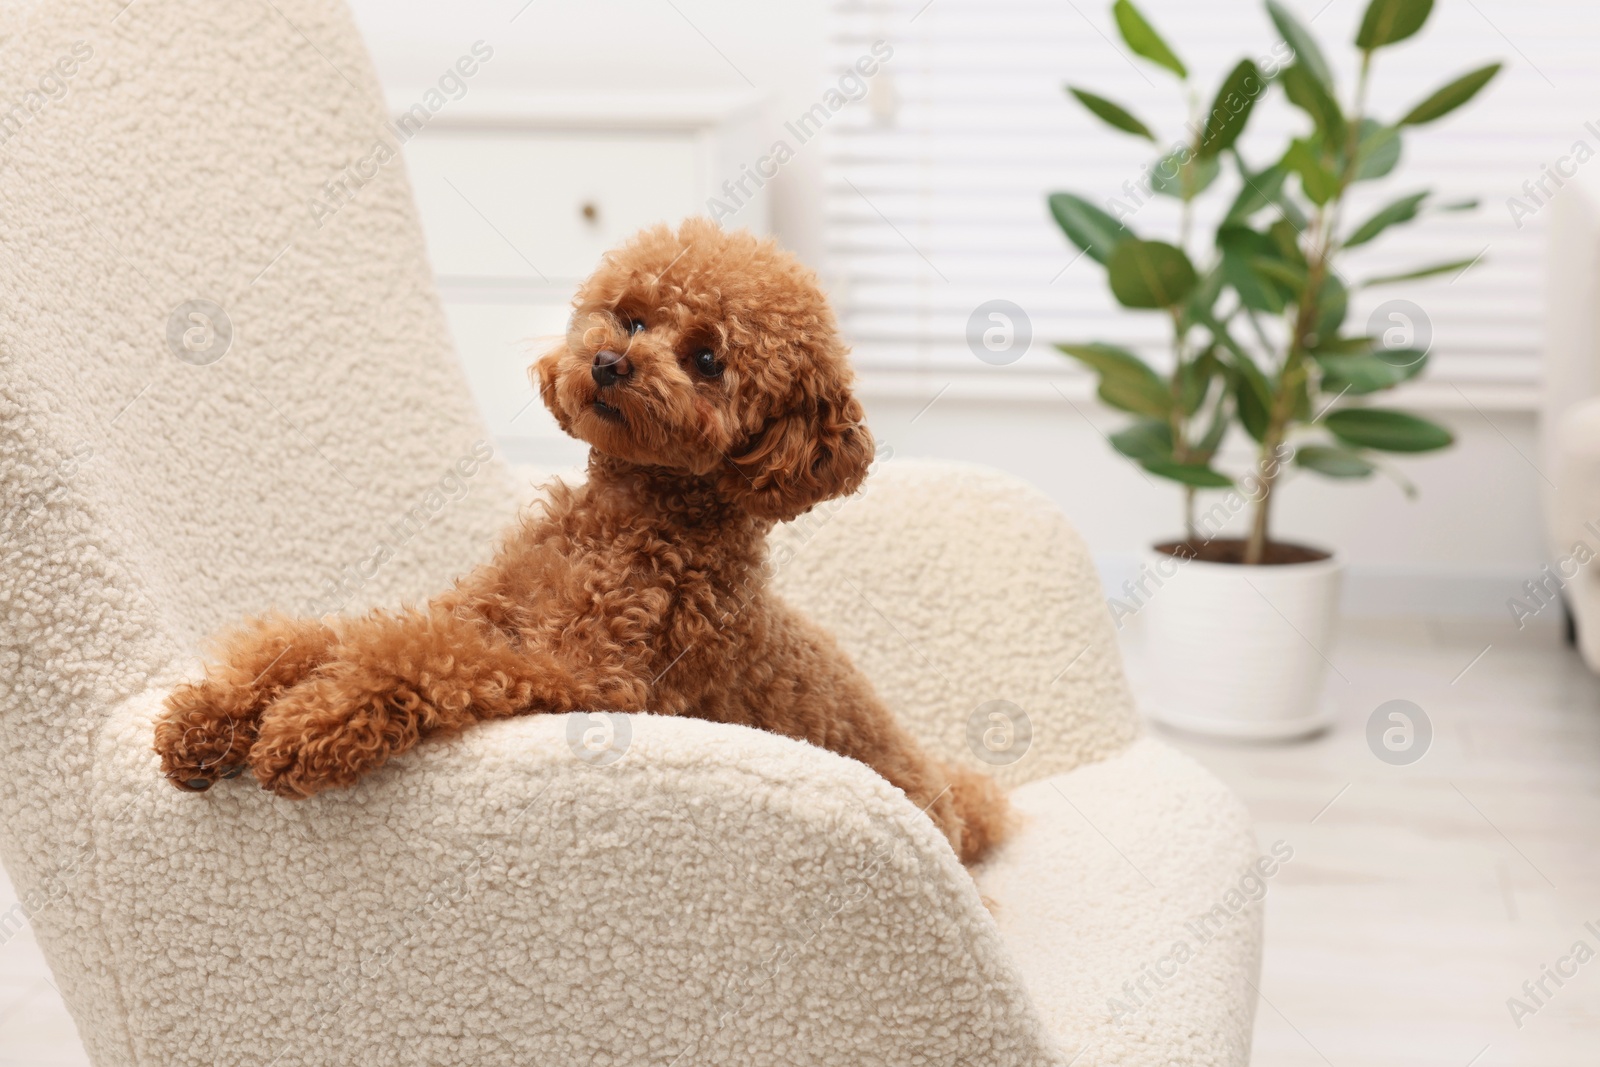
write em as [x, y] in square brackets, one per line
[1464, 546]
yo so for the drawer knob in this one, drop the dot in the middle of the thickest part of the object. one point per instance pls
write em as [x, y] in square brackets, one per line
[590, 212]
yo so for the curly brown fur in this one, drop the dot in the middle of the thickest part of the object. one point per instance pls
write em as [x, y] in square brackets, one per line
[706, 371]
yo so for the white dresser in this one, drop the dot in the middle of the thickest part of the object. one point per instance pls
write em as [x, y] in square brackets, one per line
[520, 196]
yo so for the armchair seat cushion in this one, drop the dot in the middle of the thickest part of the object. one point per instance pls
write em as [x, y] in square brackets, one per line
[1108, 900]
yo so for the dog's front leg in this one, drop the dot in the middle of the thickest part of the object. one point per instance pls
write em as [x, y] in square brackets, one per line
[394, 679]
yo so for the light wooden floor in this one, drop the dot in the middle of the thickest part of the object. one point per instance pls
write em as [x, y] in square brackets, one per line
[1420, 898]
[35, 1029]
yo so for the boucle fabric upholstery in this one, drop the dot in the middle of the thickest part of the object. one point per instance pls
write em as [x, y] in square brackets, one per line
[1573, 518]
[714, 896]
[943, 614]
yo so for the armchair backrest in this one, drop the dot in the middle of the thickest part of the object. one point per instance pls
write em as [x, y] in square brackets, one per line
[174, 311]
[976, 610]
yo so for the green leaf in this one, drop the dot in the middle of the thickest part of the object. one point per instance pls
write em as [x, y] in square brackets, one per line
[1259, 284]
[1196, 474]
[1386, 431]
[1150, 274]
[1132, 397]
[1194, 380]
[1255, 193]
[1258, 289]
[1423, 272]
[1360, 375]
[1403, 210]
[1126, 382]
[1409, 360]
[1377, 150]
[1310, 95]
[1143, 38]
[1145, 440]
[1289, 211]
[1183, 174]
[1391, 21]
[1332, 461]
[1111, 113]
[1198, 308]
[1230, 111]
[1222, 342]
[1261, 190]
[1290, 276]
[1451, 96]
[1086, 226]
[1459, 205]
[1287, 238]
[1253, 396]
[1298, 35]
[1320, 184]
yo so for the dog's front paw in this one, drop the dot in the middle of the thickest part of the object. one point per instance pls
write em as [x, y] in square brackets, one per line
[209, 726]
[205, 734]
[322, 735]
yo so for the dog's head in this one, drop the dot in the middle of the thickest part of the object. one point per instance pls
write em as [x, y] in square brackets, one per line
[714, 354]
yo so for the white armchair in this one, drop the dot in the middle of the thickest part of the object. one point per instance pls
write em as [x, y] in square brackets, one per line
[715, 895]
[1570, 422]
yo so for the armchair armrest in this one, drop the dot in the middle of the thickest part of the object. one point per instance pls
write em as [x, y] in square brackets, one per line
[715, 893]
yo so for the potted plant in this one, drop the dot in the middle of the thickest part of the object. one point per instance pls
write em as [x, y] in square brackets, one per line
[1260, 342]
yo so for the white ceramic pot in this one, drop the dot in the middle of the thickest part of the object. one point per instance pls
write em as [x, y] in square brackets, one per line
[1236, 651]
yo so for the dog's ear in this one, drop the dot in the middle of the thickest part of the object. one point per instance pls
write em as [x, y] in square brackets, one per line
[817, 450]
[543, 374]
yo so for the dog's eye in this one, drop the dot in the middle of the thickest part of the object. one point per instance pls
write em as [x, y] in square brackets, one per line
[635, 326]
[705, 361]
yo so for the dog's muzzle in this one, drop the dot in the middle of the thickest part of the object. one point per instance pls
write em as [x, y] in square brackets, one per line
[609, 367]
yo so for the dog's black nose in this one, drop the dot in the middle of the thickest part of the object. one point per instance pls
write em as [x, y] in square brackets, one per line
[609, 366]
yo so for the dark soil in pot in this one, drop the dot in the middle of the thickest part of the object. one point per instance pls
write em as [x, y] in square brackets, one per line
[1231, 550]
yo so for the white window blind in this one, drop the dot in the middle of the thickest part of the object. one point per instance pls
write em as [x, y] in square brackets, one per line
[936, 187]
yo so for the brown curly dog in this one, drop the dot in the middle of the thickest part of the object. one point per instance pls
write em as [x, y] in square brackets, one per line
[706, 371]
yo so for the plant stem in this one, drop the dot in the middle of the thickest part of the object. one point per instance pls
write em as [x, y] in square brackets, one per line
[1352, 143]
[1179, 417]
[1290, 375]
[1294, 371]
[1176, 416]
[1186, 172]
